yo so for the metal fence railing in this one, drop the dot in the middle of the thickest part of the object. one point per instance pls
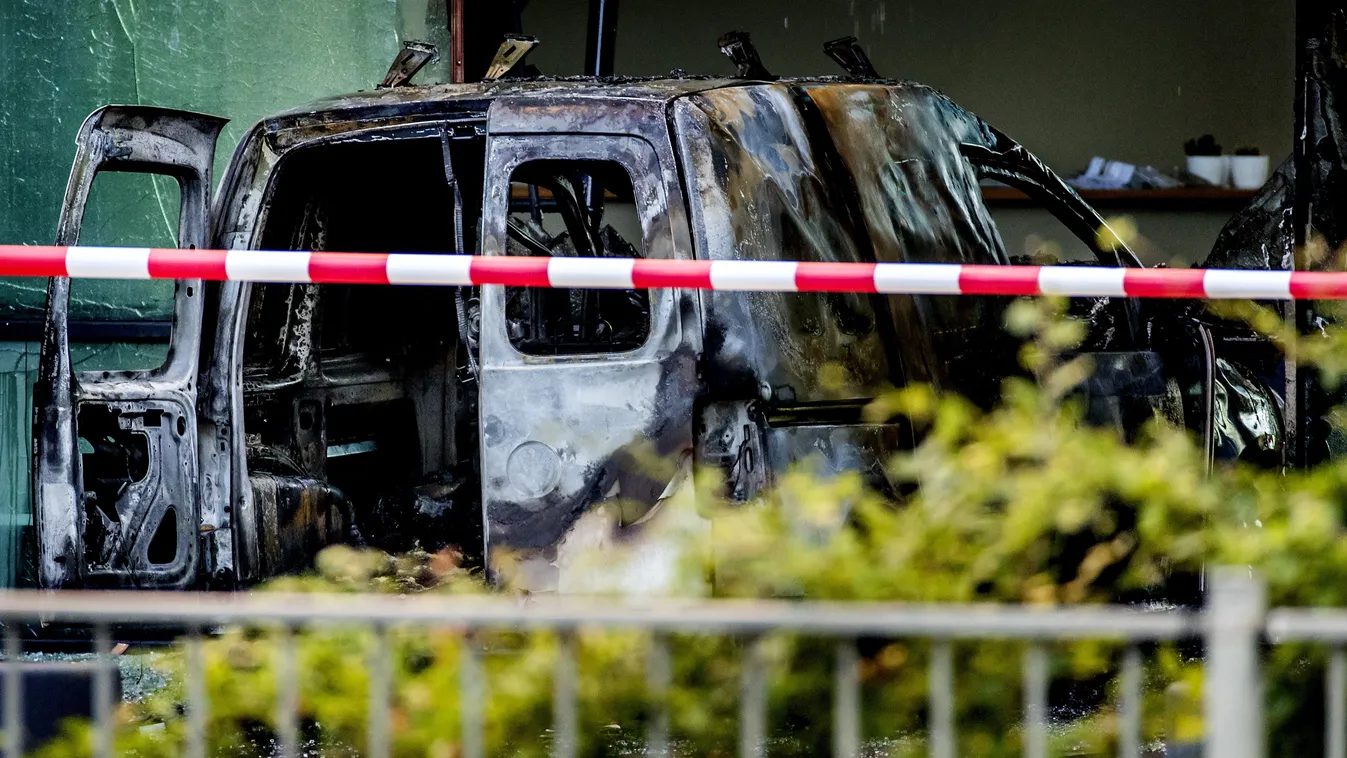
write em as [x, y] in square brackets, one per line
[1233, 627]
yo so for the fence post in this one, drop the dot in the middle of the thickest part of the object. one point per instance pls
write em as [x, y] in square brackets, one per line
[753, 700]
[1233, 690]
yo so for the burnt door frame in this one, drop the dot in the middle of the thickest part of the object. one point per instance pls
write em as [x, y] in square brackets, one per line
[244, 205]
[598, 407]
[159, 404]
[1319, 161]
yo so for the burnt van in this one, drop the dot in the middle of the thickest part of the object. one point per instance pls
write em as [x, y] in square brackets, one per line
[288, 417]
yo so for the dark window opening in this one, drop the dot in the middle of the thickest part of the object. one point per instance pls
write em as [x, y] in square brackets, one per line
[123, 325]
[113, 457]
[363, 197]
[117, 456]
[575, 209]
[362, 393]
[163, 549]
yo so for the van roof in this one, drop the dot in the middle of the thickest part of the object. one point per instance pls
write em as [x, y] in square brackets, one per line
[471, 101]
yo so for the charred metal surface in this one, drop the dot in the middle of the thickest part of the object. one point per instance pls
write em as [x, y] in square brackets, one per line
[123, 138]
[559, 436]
[834, 173]
[1247, 417]
[1291, 223]
[139, 528]
[1261, 236]
[1320, 159]
[729, 440]
[299, 517]
[345, 116]
[1320, 164]
[539, 420]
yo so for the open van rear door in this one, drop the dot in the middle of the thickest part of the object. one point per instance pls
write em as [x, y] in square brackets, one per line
[586, 395]
[115, 495]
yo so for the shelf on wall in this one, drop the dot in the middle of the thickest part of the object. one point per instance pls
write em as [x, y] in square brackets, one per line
[1181, 199]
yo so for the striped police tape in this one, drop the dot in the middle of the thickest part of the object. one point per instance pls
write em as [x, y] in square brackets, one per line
[627, 273]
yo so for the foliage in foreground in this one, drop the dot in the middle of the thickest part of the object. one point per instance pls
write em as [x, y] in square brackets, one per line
[1023, 504]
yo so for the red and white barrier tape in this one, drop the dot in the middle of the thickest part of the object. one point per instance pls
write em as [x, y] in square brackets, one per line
[626, 273]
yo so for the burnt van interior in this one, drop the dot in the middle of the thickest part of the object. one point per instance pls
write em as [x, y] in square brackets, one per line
[353, 396]
[361, 401]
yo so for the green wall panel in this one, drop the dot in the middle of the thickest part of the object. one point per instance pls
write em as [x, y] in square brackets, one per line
[241, 59]
[60, 60]
[18, 365]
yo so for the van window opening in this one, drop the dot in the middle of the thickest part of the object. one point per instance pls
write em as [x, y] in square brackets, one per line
[575, 209]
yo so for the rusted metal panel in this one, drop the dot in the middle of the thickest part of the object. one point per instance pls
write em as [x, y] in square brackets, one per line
[414, 57]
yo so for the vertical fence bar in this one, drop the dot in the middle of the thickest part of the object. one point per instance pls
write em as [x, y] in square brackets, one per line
[1036, 702]
[659, 677]
[287, 693]
[1232, 692]
[471, 700]
[103, 664]
[846, 701]
[1129, 716]
[753, 700]
[196, 695]
[1335, 682]
[940, 699]
[563, 699]
[13, 691]
[380, 693]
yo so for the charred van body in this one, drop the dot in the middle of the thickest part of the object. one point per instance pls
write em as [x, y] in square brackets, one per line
[289, 417]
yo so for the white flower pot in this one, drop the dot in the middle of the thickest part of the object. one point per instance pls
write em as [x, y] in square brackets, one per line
[1214, 169]
[1249, 172]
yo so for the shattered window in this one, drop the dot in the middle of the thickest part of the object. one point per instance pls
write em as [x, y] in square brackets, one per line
[575, 209]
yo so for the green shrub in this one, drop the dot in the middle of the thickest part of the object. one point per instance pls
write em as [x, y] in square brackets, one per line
[1023, 504]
